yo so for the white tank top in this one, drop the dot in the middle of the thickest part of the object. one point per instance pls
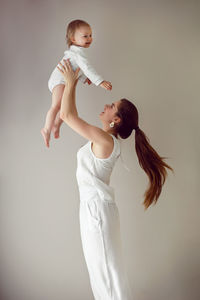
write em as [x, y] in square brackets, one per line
[93, 173]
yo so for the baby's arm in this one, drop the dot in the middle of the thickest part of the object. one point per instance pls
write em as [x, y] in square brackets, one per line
[90, 72]
[84, 79]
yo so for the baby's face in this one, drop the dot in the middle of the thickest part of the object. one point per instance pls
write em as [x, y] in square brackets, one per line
[82, 37]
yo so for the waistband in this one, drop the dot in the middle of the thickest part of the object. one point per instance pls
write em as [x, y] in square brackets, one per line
[88, 193]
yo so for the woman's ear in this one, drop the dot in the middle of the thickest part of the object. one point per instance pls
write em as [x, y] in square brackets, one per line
[117, 119]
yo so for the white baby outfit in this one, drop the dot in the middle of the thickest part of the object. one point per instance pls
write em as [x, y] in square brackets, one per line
[100, 225]
[78, 58]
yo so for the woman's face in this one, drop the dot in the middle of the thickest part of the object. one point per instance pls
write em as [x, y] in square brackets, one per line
[108, 115]
[82, 37]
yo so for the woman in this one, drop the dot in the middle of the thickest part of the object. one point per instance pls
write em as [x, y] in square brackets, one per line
[99, 217]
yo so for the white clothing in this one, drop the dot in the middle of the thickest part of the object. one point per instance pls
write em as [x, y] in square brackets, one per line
[100, 225]
[78, 58]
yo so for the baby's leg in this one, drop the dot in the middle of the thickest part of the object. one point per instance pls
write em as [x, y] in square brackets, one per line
[56, 126]
[57, 93]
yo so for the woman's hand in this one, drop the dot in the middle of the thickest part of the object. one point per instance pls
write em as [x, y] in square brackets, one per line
[70, 76]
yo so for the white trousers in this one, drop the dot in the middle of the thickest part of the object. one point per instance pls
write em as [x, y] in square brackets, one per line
[102, 248]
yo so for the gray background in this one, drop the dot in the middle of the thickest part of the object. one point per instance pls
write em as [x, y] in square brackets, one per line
[149, 50]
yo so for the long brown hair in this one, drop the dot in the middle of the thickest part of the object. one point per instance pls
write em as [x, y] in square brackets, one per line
[71, 28]
[149, 159]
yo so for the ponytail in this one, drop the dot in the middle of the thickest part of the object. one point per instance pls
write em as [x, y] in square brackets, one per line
[149, 160]
[153, 165]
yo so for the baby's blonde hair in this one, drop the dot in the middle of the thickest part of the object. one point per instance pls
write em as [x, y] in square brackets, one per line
[71, 28]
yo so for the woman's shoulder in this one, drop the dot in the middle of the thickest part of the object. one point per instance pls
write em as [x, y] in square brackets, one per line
[106, 149]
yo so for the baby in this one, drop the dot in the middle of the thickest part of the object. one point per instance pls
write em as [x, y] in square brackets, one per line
[79, 38]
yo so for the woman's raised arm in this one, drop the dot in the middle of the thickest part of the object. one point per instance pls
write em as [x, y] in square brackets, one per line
[69, 113]
[68, 105]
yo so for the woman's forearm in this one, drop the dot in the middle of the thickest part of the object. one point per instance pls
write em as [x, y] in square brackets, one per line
[68, 102]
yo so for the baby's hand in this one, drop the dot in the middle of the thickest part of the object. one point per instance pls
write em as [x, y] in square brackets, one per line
[87, 80]
[106, 85]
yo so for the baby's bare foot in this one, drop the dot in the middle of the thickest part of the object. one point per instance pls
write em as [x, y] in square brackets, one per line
[56, 130]
[46, 136]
